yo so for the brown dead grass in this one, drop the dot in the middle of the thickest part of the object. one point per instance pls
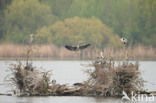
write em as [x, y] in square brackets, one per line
[110, 80]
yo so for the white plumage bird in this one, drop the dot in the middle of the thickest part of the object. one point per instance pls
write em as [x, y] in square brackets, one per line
[101, 54]
[31, 38]
[124, 40]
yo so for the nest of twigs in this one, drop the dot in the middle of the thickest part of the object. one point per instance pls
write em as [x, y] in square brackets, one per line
[106, 79]
[110, 80]
[28, 80]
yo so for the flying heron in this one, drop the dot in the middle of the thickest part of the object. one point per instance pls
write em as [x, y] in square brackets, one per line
[77, 48]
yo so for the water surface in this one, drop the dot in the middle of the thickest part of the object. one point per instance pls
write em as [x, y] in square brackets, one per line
[69, 72]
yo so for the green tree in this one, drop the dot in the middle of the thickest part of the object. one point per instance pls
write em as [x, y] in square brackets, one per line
[1, 24]
[117, 14]
[80, 30]
[133, 19]
[59, 7]
[43, 36]
[146, 21]
[24, 17]
[4, 3]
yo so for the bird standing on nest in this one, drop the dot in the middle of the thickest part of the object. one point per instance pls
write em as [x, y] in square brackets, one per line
[77, 48]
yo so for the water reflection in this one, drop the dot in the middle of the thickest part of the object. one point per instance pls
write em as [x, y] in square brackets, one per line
[62, 99]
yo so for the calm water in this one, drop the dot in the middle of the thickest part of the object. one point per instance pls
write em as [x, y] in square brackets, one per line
[69, 72]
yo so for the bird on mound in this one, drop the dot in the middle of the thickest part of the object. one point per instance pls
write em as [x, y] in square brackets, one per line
[76, 48]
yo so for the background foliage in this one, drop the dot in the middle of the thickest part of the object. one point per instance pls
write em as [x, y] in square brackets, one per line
[77, 30]
[100, 22]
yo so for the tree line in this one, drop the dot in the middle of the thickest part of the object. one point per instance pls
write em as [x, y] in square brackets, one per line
[100, 22]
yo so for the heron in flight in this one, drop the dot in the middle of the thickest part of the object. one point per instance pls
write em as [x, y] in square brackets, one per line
[77, 48]
[124, 40]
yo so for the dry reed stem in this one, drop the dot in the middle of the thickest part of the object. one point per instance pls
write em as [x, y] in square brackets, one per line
[110, 80]
[50, 51]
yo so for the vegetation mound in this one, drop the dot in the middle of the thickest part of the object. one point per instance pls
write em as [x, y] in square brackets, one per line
[105, 80]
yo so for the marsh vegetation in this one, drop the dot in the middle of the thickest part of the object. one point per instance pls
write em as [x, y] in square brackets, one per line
[55, 23]
[52, 52]
[106, 79]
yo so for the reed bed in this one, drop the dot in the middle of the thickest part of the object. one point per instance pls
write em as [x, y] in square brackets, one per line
[28, 80]
[50, 51]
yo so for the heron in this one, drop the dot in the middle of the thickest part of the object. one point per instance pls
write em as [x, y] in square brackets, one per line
[124, 40]
[31, 38]
[77, 48]
[53, 82]
[101, 54]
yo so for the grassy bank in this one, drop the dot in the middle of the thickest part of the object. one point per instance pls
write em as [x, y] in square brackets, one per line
[49, 51]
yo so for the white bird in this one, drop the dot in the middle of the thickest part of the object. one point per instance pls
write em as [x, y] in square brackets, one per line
[125, 96]
[124, 40]
[31, 38]
[54, 82]
[101, 54]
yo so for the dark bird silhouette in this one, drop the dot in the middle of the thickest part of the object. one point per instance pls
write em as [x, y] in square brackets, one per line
[78, 84]
[76, 48]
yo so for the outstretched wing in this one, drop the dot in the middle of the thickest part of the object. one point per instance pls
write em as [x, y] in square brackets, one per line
[75, 48]
[70, 48]
[84, 46]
